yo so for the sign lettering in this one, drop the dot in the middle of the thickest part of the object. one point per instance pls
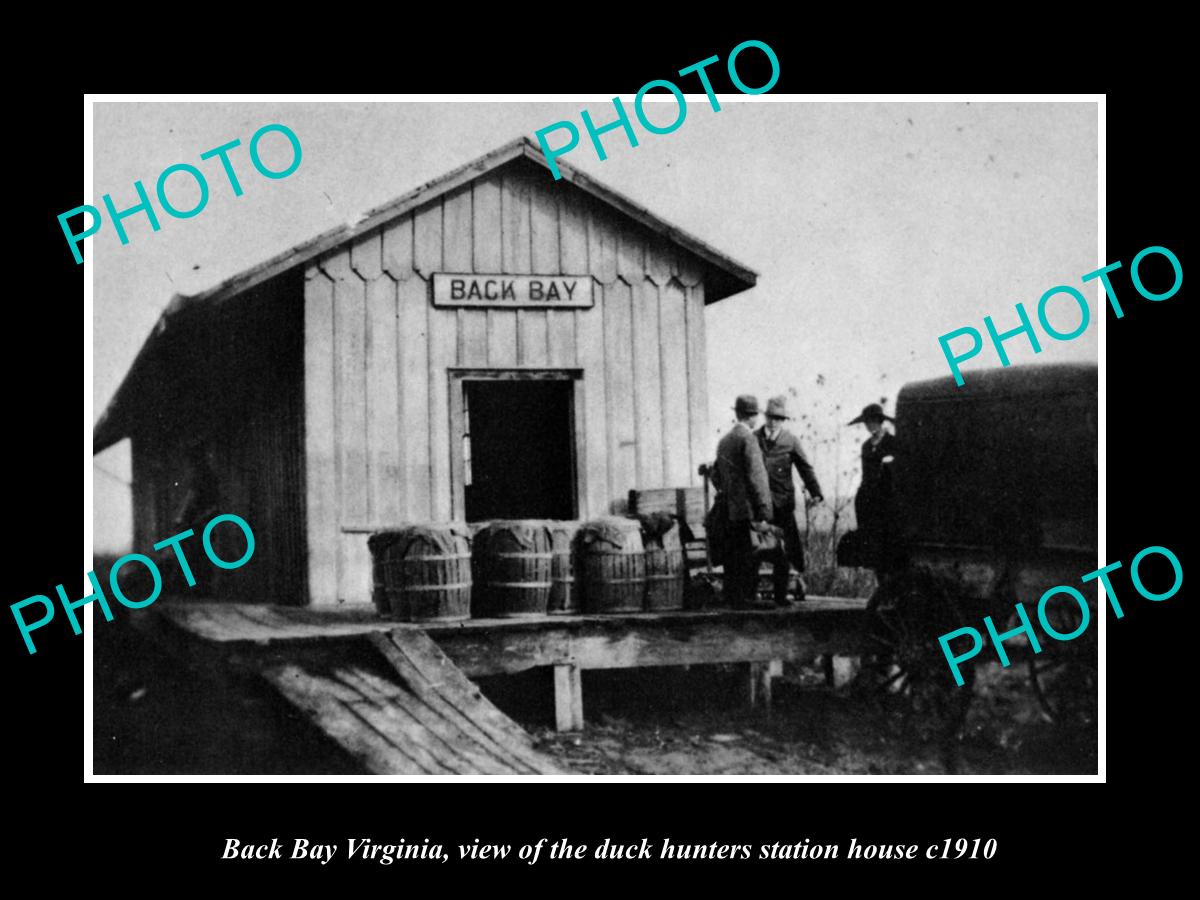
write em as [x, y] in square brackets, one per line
[513, 291]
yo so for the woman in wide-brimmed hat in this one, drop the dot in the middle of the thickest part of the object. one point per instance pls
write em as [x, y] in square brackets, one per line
[874, 502]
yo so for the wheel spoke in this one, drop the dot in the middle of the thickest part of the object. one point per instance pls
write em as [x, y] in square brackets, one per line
[907, 611]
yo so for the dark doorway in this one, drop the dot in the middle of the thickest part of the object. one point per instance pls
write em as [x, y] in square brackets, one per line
[518, 450]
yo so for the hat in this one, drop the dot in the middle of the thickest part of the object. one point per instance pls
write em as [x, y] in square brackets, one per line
[871, 411]
[777, 407]
[746, 405]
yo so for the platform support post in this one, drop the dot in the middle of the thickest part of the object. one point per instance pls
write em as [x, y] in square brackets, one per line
[762, 674]
[568, 698]
[839, 670]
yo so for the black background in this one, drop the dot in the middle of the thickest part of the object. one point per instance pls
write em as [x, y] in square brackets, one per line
[151, 832]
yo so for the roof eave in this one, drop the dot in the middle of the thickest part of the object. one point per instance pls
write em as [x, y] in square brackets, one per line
[734, 279]
[743, 276]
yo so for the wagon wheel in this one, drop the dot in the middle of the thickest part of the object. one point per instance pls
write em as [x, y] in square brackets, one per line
[1065, 688]
[906, 671]
[1063, 675]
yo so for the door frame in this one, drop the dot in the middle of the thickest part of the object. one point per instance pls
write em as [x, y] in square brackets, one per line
[457, 377]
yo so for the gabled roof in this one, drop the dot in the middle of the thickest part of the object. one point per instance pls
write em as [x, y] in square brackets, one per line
[1036, 379]
[724, 275]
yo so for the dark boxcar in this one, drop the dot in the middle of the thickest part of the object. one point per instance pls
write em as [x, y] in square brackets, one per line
[996, 486]
[997, 479]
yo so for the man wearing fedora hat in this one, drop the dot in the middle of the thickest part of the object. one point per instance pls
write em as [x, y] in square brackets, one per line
[781, 450]
[873, 502]
[740, 476]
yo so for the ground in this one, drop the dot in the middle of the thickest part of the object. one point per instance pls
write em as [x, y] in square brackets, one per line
[817, 730]
[155, 714]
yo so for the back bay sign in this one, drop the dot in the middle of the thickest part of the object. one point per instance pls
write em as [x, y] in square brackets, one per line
[513, 291]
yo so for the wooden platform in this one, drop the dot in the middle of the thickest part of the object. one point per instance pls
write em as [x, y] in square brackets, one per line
[399, 698]
[427, 719]
[245, 625]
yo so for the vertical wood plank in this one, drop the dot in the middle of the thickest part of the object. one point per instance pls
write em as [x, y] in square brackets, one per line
[579, 423]
[366, 256]
[429, 226]
[565, 333]
[560, 339]
[458, 464]
[659, 260]
[568, 698]
[630, 254]
[602, 246]
[144, 490]
[385, 464]
[417, 313]
[533, 325]
[691, 271]
[470, 325]
[413, 426]
[451, 223]
[356, 577]
[618, 359]
[697, 381]
[644, 366]
[676, 398]
[647, 377]
[762, 677]
[398, 249]
[499, 325]
[602, 263]
[486, 225]
[237, 475]
[543, 231]
[501, 342]
[590, 354]
[516, 224]
[473, 338]
[572, 231]
[381, 399]
[350, 394]
[320, 449]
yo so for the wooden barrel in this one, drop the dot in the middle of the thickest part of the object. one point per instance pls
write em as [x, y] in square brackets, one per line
[666, 569]
[564, 590]
[614, 565]
[422, 573]
[513, 561]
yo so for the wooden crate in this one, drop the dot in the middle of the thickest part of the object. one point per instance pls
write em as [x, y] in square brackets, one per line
[686, 504]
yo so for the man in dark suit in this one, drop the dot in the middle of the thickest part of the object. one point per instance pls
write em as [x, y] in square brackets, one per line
[781, 450]
[740, 475]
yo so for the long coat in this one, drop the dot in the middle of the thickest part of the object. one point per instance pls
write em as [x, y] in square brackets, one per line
[874, 499]
[779, 456]
[874, 504]
[741, 475]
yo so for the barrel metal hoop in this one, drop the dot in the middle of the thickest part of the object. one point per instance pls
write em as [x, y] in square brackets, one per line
[430, 559]
[412, 588]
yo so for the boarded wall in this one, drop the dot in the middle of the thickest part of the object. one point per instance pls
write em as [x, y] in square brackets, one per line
[236, 388]
[378, 354]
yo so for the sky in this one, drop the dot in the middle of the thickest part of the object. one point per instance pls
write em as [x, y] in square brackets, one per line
[874, 227]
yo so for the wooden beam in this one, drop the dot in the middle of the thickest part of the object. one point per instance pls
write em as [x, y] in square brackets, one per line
[762, 677]
[685, 642]
[831, 622]
[568, 698]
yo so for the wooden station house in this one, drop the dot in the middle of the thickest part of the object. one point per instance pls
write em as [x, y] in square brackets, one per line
[494, 344]
[345, 387]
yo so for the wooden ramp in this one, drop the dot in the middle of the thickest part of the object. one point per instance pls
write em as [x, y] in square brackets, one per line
[407, 709]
